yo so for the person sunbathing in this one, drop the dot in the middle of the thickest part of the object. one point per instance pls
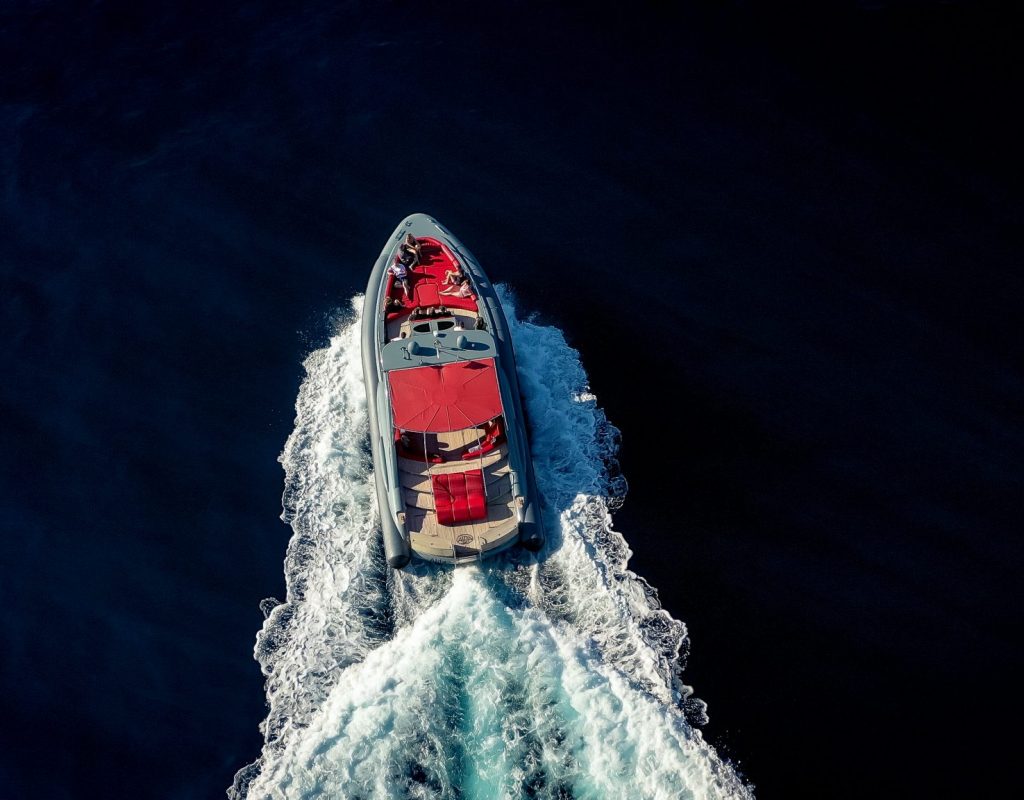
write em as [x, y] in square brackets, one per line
[409, 251]
[453, 275]
[460, 289]
[400, 271]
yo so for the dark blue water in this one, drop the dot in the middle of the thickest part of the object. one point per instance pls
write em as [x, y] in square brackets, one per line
[792, 243]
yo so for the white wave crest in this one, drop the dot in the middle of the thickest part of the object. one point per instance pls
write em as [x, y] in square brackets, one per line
[554, 675]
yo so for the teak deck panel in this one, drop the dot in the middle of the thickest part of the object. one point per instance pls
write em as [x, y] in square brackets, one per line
[428, 536]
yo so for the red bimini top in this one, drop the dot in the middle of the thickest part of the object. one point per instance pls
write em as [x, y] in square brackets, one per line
[447, 397]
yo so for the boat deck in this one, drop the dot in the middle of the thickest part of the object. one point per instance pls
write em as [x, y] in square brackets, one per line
[430, 538]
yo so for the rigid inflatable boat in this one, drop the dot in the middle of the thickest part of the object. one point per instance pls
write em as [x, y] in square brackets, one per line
[454, 477]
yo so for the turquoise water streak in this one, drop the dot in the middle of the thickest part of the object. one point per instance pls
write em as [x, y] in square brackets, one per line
[552, 676]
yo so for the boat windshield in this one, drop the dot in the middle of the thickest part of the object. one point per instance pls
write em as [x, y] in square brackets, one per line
[439, 324]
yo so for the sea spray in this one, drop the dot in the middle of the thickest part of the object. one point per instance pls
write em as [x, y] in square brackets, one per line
[555, 675]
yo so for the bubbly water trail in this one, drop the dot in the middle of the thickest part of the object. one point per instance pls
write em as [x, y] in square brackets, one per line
[550, 676]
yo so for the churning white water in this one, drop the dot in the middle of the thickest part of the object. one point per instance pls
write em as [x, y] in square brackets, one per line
[548, 676]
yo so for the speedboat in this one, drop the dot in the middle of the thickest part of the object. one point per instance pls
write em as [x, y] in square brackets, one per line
[452, 466]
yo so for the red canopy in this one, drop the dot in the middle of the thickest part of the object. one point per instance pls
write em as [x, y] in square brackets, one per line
[447, 397]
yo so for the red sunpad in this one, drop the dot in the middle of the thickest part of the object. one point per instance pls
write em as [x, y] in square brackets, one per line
[426, 294]
[426, 280]
[459, 497]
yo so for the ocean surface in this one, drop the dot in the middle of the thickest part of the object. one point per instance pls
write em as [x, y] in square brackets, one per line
[765, 275]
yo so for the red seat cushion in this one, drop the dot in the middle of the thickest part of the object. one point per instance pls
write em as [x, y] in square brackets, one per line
[459, 497]
[426, 280]
[426, 294]
[485, 447]
[494, 437]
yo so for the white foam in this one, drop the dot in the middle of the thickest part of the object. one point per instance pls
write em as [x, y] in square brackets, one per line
[549, 676]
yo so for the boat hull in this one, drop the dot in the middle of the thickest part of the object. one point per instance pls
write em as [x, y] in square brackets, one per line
[398, 544]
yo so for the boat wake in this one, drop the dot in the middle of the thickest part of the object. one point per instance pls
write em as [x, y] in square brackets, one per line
[547, 676]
